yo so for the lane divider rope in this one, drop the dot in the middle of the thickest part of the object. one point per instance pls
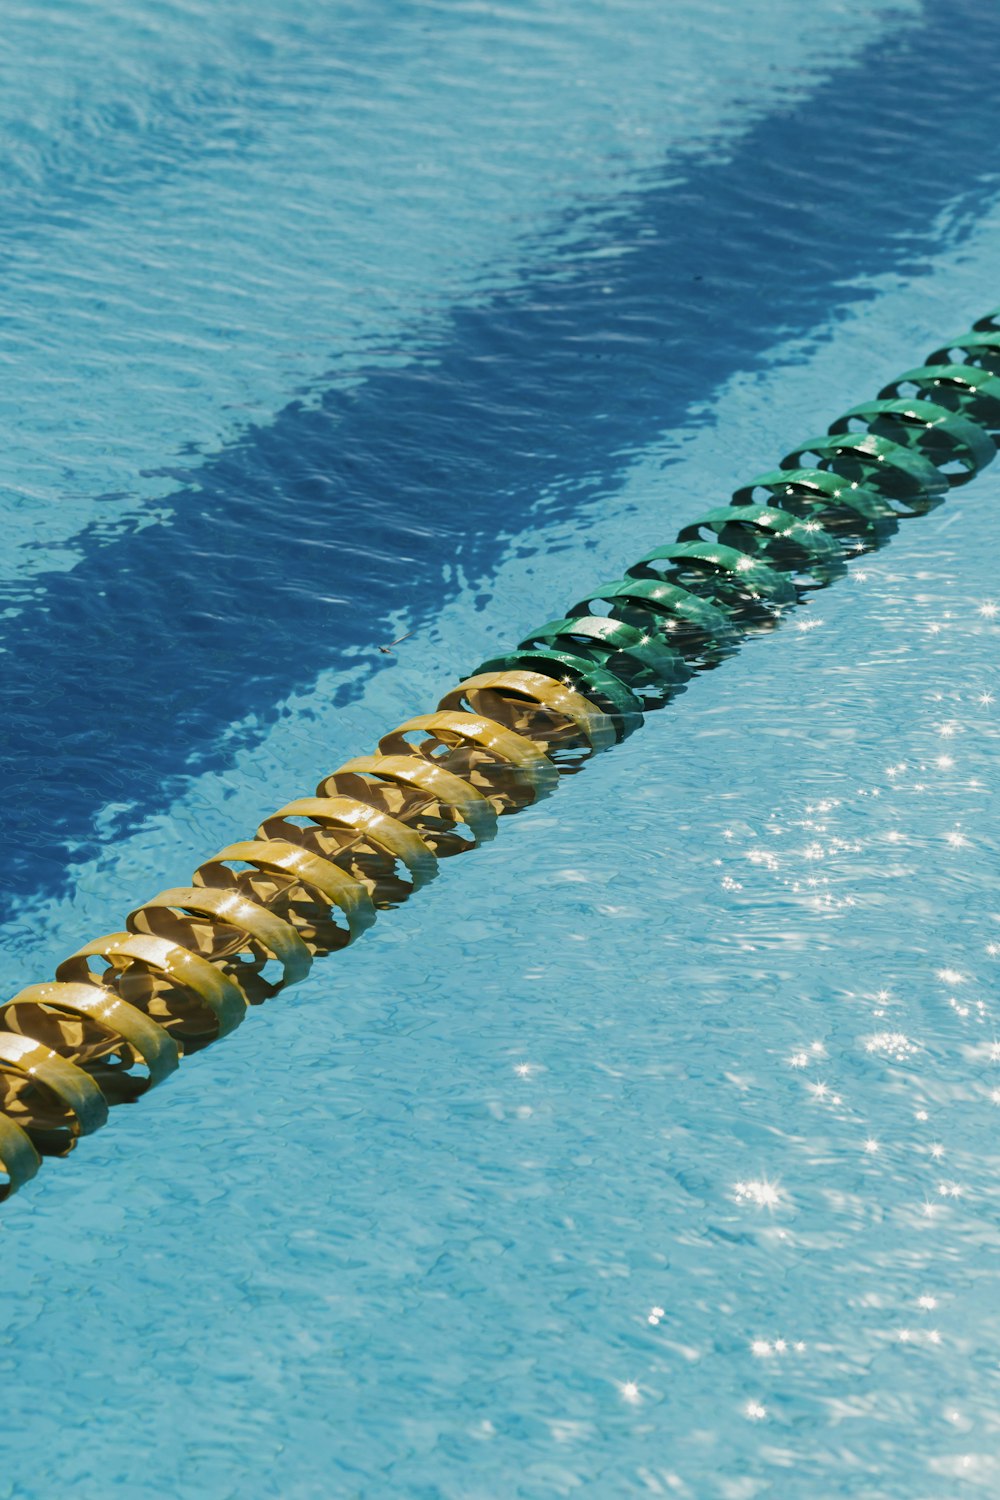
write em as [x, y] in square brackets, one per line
[124, 1009]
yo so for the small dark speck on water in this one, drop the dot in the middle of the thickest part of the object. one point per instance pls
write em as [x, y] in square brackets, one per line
[387, 650]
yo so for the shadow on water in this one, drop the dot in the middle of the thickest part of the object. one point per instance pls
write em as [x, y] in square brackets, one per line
[293, 544]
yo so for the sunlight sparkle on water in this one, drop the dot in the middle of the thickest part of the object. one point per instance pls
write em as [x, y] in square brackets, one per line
[895, 1045]
[819, 1090]
[759, 1191]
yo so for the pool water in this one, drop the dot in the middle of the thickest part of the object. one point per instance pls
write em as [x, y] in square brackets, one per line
[651, 1150]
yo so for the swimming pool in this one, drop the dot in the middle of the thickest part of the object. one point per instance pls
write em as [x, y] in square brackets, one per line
[650, 1150]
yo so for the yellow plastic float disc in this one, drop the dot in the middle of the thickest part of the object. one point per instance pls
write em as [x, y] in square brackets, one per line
[485, 733]
[189, 971]
[74, 1088]
[18, 1157]
[475, 810]
[377, 827]
[311, 870]
[157, 1049]
[595, 725]
[236, 910]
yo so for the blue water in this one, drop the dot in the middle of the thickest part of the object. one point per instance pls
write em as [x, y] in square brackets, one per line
[651, 1150]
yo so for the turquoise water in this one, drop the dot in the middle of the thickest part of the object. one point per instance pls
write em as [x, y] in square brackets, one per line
[651, 1150]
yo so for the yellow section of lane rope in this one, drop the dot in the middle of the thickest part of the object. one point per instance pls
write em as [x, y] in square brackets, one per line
[159, 992]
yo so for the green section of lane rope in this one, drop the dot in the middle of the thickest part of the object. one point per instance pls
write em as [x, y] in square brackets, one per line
[684, 605]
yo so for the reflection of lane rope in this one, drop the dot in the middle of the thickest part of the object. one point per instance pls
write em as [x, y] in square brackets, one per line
[125, 1008]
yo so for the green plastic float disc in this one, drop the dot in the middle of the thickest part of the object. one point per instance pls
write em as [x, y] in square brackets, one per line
[876, 463]
[608, 691]
[750, 573]
[610, 638]
[820, 548]
[823, 491]
[974, 393]
[981, 348]
[664, 603]
[925, 427]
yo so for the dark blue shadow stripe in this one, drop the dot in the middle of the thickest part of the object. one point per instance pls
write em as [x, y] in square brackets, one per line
[294, 543]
